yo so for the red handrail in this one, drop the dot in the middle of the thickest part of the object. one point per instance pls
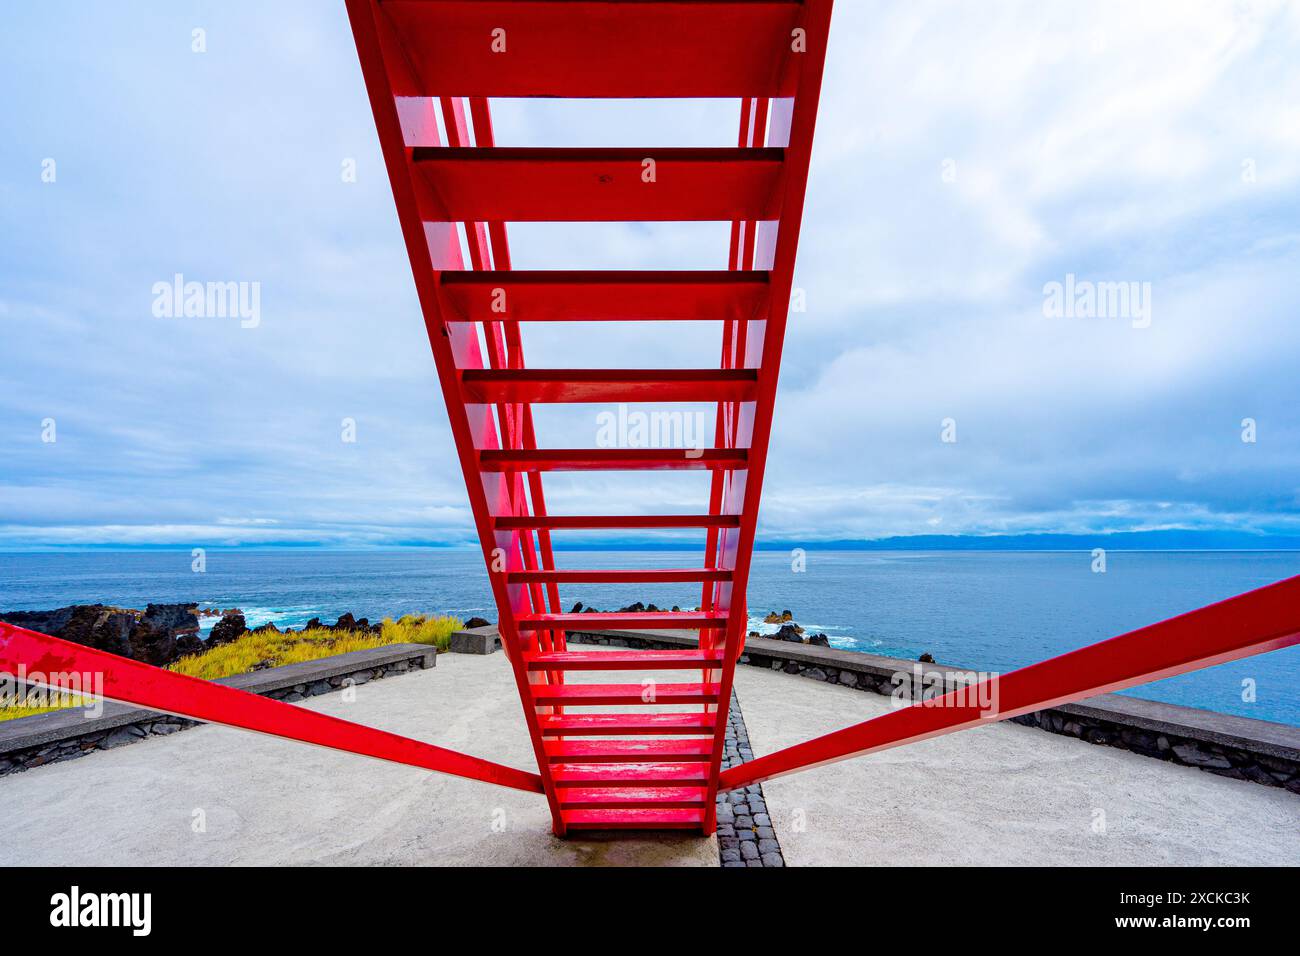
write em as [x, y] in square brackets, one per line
[1262, 620]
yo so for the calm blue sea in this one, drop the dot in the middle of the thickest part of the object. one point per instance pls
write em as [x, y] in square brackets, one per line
[986, 611]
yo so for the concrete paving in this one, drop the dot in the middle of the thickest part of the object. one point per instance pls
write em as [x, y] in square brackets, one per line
[997, 795]
[265, 801]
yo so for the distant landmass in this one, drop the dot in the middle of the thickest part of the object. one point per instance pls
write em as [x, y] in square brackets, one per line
[1171, 540]
[1168, 540]
[1174, 540]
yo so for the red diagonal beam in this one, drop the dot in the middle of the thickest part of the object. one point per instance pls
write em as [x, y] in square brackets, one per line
[1262, 620]
[142, 685]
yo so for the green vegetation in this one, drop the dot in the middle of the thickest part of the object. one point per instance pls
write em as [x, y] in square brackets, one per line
[273, 648]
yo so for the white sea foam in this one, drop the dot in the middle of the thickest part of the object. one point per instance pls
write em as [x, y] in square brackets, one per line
[837, 634]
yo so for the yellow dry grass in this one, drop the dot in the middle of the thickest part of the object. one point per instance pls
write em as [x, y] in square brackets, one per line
[271, 649]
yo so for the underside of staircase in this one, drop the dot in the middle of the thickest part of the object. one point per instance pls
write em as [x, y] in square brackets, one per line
[641, 752]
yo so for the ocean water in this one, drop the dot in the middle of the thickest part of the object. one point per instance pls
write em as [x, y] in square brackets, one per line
[987, 611]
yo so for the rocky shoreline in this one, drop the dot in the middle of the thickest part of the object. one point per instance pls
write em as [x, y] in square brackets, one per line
[789, 630]
[162, 634]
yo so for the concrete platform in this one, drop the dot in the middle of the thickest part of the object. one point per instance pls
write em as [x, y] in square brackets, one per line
[998, 795]
[271, 802]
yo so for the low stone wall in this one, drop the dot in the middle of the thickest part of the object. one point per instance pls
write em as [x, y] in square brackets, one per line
[475, 640]
[31, 742]
[1257, 750]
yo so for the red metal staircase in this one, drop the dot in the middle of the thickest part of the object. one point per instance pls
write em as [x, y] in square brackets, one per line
[643, 767]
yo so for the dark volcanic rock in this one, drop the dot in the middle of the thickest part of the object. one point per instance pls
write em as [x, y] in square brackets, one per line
[231, 627]
[176, 618]
[45, 622]
[819, 640]
[926, 658]
[267, 628]
[483, 622]
[346, 623]
[789, 632]
[159, 635]
[166, 633]
[80, 626]
[113, 633]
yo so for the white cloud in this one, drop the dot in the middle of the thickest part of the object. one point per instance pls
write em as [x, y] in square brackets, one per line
[1106, 140]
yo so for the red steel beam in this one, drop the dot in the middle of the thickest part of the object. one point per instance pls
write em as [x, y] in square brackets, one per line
[142, 685]
[578, 385]
[583, 522]
[619, 576]
[611, 459]
[613, 620]
[545, 184]
[1266, 619]
[709, 48]
[613, 296]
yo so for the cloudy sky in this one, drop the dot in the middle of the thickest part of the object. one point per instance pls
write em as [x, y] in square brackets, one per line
[967, 157]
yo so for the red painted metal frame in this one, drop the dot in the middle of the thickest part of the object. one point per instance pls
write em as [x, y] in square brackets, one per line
[131, 682]
[592, 48]
[769, 52]
[1266, 619]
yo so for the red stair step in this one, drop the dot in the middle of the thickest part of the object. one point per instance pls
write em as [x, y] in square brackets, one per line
[625, 660]
[618, 576]
[606, 621]
[547, 184]
[579, 522]
[614, 798]
[630, 774]
[617, 694]
[613, 459]
[592, 725]
[634, 819]
[487, 386]
[722, 48]
[677, 750]
[572, 296]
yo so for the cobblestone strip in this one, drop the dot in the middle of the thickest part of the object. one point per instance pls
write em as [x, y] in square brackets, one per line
[745, 834]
